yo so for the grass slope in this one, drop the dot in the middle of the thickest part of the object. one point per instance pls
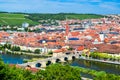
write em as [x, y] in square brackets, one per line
[14, 19]
[83, 16]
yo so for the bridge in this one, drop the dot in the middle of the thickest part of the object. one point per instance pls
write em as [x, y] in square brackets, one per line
[45, 62]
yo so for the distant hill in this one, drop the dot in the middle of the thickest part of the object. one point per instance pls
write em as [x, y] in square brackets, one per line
[83, 16]
[33, 19]
[63, 16]
[14, 19]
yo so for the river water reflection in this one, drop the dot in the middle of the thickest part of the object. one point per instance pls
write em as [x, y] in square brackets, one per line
[99, 66]
[14, 59]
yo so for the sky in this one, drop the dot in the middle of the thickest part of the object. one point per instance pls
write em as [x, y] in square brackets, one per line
[61, 6]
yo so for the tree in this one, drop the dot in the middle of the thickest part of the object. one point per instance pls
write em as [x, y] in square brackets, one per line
[8, 72]
[26, 29]
[8, 46]
[59, 72]
[70, 49]
[50, 52]
[37, 51]
[15, 48]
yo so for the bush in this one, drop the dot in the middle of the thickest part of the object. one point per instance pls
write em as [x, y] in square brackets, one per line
[50, 52]
[28, 51]
[59, 72]
[105, 56]
[70, 49]
[15, 48]
[98, 75]
[37, 51]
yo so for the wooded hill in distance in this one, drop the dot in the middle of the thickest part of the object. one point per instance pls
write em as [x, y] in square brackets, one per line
[16, 19]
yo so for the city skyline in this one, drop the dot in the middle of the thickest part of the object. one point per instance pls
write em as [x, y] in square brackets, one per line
[61, 6]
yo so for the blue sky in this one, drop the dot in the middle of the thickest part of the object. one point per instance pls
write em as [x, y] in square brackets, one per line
[58, 6]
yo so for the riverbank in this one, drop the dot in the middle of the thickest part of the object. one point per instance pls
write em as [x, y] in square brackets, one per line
[26, 53]
[18, 59]
[95, 65]
[93, 74]
[98, 60]
[15, 49]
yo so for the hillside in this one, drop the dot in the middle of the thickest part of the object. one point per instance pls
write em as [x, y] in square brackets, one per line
[14, 19]
[83, 16]
[62, 16]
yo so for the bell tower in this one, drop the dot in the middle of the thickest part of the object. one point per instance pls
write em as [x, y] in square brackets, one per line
[67, 29]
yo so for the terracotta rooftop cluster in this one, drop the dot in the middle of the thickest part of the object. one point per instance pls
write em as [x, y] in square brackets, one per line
[87, 37]
[39, 39]
[107, 48]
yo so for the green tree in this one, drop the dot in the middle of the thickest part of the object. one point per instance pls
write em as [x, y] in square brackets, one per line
[70, 49]
[59, 72]
[37, 51]
[26, 29]
[8, 46]
[15, 48]
[50, 52]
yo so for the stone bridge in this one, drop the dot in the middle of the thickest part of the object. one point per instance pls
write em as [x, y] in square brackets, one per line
[45, 62]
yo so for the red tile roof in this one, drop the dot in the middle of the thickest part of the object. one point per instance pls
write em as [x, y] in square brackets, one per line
[74, 33]
[80, 48]
[58, 51]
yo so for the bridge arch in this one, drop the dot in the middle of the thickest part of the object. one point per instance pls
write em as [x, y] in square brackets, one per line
[73, 57]
[58, 60]
[48, 63]
[80, 55]
[38, 65]
[66, 58]
[28, 66]
[67, 53]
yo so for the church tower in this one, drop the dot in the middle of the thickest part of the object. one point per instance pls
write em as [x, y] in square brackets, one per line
[67, 29]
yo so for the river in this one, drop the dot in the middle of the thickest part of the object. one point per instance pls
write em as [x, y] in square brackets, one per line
[14, 59]
[99, 66]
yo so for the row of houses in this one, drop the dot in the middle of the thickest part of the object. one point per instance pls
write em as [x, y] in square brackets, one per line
[98, 31]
